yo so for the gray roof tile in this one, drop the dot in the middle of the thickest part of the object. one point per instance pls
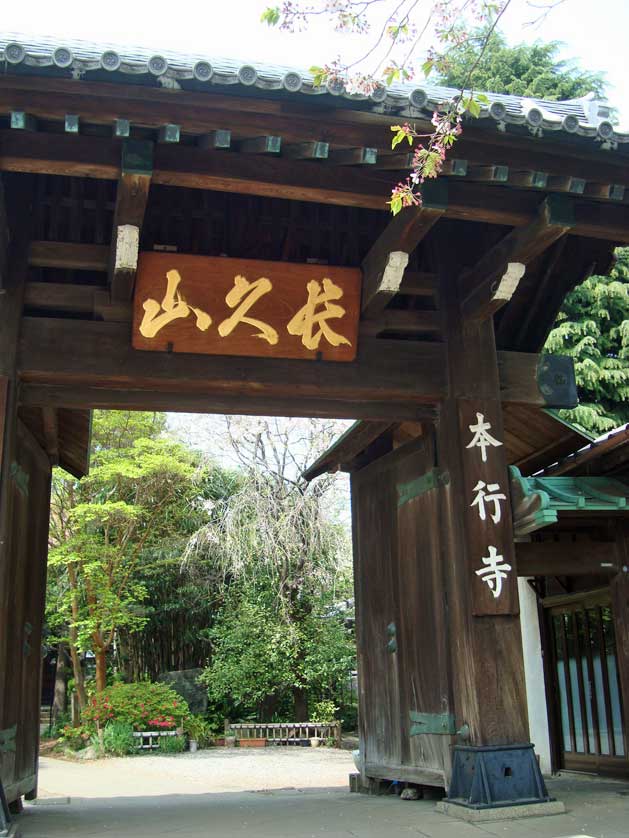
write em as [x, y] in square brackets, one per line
[587, 117]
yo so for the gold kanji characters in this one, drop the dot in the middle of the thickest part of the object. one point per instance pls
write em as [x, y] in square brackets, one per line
[311, 321]
[247, 294]
[173, 307]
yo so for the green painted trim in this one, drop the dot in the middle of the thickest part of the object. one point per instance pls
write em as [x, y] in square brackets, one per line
[563, 494]
[440, 724]
[588, 484]
[433, 479]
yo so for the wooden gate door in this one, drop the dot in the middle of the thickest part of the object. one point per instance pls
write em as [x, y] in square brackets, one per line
[588, 700]
[402, 665]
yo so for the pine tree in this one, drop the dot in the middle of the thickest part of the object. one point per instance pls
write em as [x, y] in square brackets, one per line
[525, 70]
[593, 328]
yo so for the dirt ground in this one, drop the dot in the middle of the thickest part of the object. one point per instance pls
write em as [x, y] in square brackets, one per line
[213, 771]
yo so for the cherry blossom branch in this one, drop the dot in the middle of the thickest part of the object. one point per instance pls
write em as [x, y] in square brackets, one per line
[454, 23]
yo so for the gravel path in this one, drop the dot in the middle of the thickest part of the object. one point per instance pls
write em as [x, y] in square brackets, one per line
[215, 770]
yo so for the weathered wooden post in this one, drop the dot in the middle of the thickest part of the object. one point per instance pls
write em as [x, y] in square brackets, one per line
[493, 760]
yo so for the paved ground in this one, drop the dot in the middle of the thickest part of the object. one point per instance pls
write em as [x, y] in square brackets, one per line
[277, 793]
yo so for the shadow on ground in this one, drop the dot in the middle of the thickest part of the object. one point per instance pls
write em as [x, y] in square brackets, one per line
[596, 808]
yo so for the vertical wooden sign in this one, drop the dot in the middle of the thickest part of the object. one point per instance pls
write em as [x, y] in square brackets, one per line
[487, 509]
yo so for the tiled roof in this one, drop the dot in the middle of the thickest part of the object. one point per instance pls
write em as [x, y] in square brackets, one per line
[538, 501]
[587, 117]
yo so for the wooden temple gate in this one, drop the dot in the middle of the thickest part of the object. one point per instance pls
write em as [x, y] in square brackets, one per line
[445, 309]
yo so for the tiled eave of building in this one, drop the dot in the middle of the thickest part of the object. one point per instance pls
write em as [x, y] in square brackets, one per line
[585, 117]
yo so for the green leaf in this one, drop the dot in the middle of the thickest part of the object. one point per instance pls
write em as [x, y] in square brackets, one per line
[271, 16]
[473, 107]
[320, 75]
[395, 204]
[428, 67]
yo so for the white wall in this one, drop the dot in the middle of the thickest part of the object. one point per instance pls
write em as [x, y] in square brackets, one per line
[534, 674]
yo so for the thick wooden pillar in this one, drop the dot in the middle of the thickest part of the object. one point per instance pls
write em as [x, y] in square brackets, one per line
[487, 667]
[17, 199]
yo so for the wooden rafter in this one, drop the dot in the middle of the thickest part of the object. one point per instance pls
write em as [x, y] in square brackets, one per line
[383, 266]
[198, 114]
[302, 180]
[492, 281]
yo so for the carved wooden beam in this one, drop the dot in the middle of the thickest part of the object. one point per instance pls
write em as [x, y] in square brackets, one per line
[383, 267]
[490, 284]
[131, 199]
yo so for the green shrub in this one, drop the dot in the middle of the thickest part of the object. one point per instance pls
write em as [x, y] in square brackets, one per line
[76, 737]
[323, 712]
[172, 744]
[143, 706]
[198, 729]
[118, 739]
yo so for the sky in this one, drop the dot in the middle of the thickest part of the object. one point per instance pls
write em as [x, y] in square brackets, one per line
[593, 33]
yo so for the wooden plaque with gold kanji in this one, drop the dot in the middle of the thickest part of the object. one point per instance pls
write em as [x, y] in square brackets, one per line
[221, 306]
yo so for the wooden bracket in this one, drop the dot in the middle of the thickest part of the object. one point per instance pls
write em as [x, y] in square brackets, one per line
[131, 200]
[382, 266]
[478, 286]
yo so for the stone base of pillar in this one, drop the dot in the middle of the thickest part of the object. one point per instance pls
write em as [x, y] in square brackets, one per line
[493, 776]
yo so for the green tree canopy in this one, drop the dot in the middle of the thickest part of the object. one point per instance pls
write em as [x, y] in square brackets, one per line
[135, 496]
[525, 70]
[593, 328]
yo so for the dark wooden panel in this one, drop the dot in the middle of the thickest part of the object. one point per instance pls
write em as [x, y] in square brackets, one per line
[400, 598]
[422, 651]
[566, 558]
[30, 499]
[373, 510]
